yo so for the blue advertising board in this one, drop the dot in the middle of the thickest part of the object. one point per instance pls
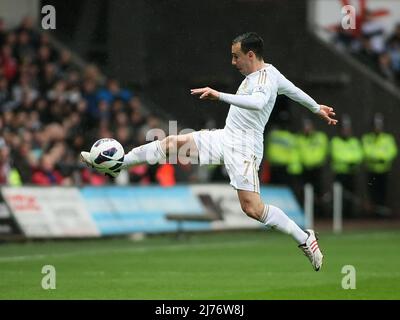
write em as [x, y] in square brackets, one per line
[121, 210]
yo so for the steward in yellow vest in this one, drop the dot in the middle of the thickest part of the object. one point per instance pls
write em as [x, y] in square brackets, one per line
[346, 159]
[313, 147]
[380, 150]
[282, 154]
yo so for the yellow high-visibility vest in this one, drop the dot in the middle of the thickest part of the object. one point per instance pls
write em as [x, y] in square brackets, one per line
[347, 154]
[281, 149]
[380, 150]
[313, 149]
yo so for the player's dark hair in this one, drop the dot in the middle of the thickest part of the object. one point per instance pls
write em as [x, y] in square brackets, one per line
[251, 41]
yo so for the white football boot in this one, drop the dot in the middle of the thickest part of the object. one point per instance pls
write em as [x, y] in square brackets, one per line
[311, 250]
[85, 157]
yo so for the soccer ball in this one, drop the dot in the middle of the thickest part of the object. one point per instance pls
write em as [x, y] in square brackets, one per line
[107, 155]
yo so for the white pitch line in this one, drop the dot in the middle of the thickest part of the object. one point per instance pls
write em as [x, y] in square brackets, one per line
[21, 258]
[133, 249]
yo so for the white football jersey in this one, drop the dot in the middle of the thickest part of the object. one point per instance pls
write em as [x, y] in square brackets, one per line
[250, 123]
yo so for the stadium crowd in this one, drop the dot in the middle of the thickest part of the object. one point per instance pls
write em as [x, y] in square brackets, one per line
[371, 45]
[51, 110]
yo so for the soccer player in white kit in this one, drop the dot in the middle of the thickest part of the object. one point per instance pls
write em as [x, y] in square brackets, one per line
[239, 146]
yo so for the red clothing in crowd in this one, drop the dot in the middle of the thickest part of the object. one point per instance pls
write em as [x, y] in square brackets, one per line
[43, 178]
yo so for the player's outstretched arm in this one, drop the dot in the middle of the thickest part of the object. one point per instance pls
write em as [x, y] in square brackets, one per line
[205, 93]
[287, 88]
[254, 101]
[327, 114]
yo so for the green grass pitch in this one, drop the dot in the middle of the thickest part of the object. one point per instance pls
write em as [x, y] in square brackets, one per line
[236, 265]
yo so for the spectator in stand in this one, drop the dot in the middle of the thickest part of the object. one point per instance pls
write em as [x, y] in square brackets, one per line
[28, 25]
[123, 135]
[393, 46]
[4, 94]
[139, 174]
[23, 161]
[46, 174]
[345, 40]
[374, 31]
[282, 154]
[395, 37]
[48, 78]
[114, 91]
[135, 104]
[385, 66]
[8, 174]
[11, 40]
[186, 172]
[92, 178]
[367, 55]
[165, 175]
[313, 146]
[65, 62]
[92, 73]
[154, 126]
[380, 150]
[137, 121]
[8, 63]
[117, 107]
[24, 50]
[3, 32]
[43, 57]
[23, 89]
[347, 156]
[89, 93]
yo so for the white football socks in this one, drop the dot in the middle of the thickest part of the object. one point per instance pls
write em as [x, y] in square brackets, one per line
[277, 219]
[151, 153]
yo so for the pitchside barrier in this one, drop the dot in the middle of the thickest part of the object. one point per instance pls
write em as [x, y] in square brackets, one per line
[62, 212]
[337, 214]
[49, 212]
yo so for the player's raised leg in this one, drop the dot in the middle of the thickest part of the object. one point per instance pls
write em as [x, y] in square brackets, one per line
[272, 216]
[155, 151]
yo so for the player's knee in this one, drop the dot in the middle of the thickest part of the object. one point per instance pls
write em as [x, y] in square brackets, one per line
[171, 143]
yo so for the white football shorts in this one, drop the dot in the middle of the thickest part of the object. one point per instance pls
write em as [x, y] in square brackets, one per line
[236, 153]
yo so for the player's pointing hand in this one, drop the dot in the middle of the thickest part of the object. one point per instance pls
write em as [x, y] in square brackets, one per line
[206, 93]
[326, 113]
